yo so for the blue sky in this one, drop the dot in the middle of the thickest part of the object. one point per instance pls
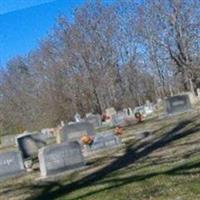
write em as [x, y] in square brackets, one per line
[23, 23]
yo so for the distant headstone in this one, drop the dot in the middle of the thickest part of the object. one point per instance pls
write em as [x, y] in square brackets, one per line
[110, 111]
[148, 103]
[60, 157]
[148, 110]
[30, 143]
[193, 98]
[159, 101]
[118, 119]
[177, 104]
[95, 120]
[139, 109]
[48, 133]
[77, 117]
[125, 111]
[130, 112]
[74, 132]
[105, 140]
[198, 93]
[8, 140]
[11, 163]
[88, 114]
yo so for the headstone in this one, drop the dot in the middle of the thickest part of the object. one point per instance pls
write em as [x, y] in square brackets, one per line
[8, 140]
[62, 123]
[130, 112]
[11, 163]
[178, 104]
[69, 123]
[74, 132]
[60, 157]
[139, 109]
[159, 106]
[118, 119]
[193, 98]
[88, 114]
[48, 133]
[125, 111]
[30, 143]
[110, 111]
[144, 110]
[159, 101]
[105, 140]
[95, 120]
[77, 117]
[198, 93]
[148, 103]
[148, 110]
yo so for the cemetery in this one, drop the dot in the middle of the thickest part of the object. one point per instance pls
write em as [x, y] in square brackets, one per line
[154, 157]
[100, 100]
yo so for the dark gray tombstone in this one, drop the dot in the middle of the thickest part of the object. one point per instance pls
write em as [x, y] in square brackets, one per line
[95, 120]
[8, 140]
[74, 132]
[60, 157]
[105, 140]
[30, 143]
[178, 104]
[11, 163]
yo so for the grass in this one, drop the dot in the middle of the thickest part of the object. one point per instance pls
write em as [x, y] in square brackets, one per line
[163, 167]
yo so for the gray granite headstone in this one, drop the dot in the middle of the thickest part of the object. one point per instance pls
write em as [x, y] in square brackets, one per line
[118, 119]
[74, 132]
[8, 140]
[30, 143]
[178, 104]
[60, 157]
[95, 120]
[105, 140]
[11, 163]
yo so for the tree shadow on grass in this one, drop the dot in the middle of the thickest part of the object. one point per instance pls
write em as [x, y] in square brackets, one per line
[118, 182]
[130, 157]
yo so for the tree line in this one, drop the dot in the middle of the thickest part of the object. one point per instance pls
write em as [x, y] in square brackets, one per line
[118, 54]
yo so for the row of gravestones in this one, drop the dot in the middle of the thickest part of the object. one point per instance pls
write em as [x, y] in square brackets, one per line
[102, 140]
[173, 105]
[57, 157]
[116, 118]
[68, 154]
